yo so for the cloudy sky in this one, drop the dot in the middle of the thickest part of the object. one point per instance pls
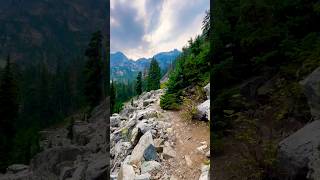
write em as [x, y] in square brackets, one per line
[142, 28]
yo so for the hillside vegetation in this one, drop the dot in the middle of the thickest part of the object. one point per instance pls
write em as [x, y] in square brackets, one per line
[261, 50]
[191, 68]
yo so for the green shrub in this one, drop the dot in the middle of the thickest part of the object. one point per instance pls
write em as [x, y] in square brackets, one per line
[189, 109]
[169, 102]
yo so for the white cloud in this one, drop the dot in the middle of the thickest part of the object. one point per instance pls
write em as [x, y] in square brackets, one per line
[176, 22]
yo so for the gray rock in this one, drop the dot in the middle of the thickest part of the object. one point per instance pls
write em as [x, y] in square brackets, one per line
[188, 160]
[204, 172]
[97, 167]
[15, 168]
[147, 102]
[126, 172]
[298, 153]
[168, 152]
[203, 110]
[311, 86]
[136, 134]
[145, 176]
[150, 153]
[144, 142]
[115, 120]
[150, 166]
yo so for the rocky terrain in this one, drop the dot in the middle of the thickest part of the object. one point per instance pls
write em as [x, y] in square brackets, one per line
[78, 153]
[150, 143]
[299, 154]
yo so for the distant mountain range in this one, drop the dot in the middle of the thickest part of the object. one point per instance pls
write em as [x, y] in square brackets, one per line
[125, 69]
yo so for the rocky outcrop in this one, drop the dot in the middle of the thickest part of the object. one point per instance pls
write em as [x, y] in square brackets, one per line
[84, 157]
[311, 86]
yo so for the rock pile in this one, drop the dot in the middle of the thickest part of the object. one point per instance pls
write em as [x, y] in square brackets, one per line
[140, 139]
[84, 157]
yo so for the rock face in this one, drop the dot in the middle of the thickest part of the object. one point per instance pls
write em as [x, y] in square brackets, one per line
[203, 109]
[311, 86]
[299, 153]
[85, 157]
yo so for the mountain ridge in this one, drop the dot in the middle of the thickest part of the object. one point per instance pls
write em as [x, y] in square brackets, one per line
[126, 69]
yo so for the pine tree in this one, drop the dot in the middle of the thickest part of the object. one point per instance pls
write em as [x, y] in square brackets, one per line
[93, 89]
[139, 84]
[9, 108]
[154, 76]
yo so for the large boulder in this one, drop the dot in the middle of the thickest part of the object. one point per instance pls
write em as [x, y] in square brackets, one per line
[150, 166]
[203, 110]
[204, 172]
[143, 144]
[299, 153]
[311, 86]
[50, 163]
[126, 172]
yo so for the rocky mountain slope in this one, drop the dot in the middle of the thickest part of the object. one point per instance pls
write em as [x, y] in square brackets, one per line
[148, 142]
[299, 154]
[33, 30]
[123, 68]
[78, 152]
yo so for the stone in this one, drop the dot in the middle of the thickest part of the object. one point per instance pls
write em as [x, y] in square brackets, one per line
[126, 172]
[204, 172]
[136, 134]
[150, 166]
[147, 102]
[298, 154]
[15, 168]
[168, 152]
[188, 160]
[202, 148]
[115, 120]
[311, 87]
[144, 142]
[145, 176]
[150, 153]
[208, 154]
[203, 111]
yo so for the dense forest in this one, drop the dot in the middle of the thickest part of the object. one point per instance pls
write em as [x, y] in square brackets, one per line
[261, 50]
[38, 96]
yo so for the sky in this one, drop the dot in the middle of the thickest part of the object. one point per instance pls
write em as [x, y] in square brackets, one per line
[143, 28]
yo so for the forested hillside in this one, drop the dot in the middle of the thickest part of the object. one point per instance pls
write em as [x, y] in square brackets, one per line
[191, 68]
[35, 30]
[53, 64]
[261, 51]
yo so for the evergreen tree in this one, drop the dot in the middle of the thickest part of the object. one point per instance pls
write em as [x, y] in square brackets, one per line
[154, 76]
[139, 84]
[94, 84]
[8, 111]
